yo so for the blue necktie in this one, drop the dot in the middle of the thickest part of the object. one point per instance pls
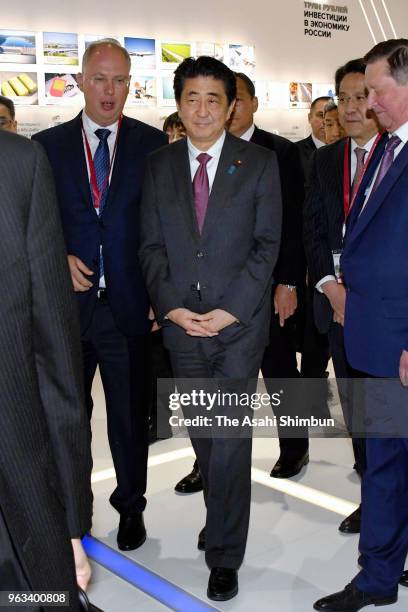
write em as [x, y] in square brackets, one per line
[102, 162]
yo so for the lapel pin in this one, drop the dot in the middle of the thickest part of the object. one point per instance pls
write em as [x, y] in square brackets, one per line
[236, 164]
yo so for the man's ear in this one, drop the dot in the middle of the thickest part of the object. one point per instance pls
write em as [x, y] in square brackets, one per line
[255, 104]
[80, 80]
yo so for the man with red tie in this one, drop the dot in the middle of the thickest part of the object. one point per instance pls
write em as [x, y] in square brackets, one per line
[211, 220]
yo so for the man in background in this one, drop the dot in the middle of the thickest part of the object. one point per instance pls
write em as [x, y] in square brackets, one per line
[45, 459]
[98, 160]
[7, 115]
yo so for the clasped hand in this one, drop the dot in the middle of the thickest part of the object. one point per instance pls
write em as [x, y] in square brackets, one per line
[201, 325]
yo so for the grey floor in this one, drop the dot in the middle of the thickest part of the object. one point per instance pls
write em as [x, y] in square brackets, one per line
[295, 553]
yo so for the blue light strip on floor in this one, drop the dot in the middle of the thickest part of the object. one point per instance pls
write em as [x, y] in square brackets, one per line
[147, 581]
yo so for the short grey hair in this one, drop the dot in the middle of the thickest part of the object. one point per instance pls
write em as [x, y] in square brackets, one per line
[395, 51]
[104, 42]
[331, 105]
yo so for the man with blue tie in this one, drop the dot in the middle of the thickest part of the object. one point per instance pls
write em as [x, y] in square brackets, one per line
[374, 265]
[98, 161]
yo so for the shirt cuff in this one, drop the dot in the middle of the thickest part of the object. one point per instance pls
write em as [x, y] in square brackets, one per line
[329, 277]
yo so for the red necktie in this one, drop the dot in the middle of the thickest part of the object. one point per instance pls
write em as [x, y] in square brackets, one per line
[201, 189]
[360, 154]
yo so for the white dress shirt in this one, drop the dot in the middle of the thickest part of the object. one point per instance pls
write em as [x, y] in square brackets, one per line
[89, 128]
[249, 133]
[353, 167]
[318, 143]
[212, 165]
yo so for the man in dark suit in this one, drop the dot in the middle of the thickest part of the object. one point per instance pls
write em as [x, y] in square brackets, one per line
[374, 264]
[279, 360]
[211, 217]
[98, 161]
[317, 138]
[45, 475]
[327, 201]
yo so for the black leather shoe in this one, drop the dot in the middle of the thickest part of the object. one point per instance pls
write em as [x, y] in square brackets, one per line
[192, 483]
[201, 540]
[351, 524]
[223, 584]
[286, 466]
[403, 580]
[131, 532]
[351, 600]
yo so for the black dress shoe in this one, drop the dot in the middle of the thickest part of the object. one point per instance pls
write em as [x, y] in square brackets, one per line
[351, 600]
[192, 483]
[223, 584]
[403, 580]
[351, 524]
[131, 532]
[201, 540]
[287, 466]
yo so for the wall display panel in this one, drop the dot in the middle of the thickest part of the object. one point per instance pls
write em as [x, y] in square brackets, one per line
[241, 58]
[17, 47]
[90, 38]
[166, 93]
[300, 94]
[175, 52]
[142, 90]
[60, 48]
[62, 88]
[216, 50]
[20, 86]
[142, 52]
[323, 89]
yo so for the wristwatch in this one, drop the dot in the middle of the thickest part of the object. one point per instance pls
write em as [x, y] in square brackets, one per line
[290, 287]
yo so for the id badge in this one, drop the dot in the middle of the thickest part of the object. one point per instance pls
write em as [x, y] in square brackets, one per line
[336, 264]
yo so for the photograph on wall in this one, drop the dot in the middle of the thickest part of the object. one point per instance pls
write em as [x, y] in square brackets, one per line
[212, 49]
[142, 90]
[90, 38]
[242, 59]
[60, 48]
[300, 94]
[272, 94]
[174, 53]
[142, 52]
[17, 47]
[61, 88]
[322, 89]
[167, 92]
[21, 87]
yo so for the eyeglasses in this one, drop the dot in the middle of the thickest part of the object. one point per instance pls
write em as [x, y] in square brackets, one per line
[117, 82]
[358, 99]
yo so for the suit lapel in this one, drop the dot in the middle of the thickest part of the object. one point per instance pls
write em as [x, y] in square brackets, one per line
[181, 173]
[75, 156]
[377, 198]
[223, 181]
[121, 159]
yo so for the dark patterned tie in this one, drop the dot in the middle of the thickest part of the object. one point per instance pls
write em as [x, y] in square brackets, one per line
[201, 188]
[102, 163]
[360, 154]
[387, 160]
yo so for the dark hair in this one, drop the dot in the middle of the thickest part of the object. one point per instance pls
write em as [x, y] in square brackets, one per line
[331, 105]
[356, 66]
[395, 51]
[207, 67]
[172, 121]
[316, 100]
[248, 83]
[8, 104]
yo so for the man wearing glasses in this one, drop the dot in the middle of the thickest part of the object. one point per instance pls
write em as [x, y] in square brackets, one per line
[98, 161]
[7, 115]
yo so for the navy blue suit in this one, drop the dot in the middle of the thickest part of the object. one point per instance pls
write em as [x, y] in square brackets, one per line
[374, 264]
[115, 328]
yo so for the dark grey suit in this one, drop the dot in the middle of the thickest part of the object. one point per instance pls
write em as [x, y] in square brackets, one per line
[45, 462]
[233, 260]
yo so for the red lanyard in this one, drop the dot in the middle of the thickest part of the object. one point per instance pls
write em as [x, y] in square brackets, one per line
[346, 175]
[96, 192]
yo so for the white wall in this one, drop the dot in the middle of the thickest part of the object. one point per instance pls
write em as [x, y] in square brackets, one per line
[275, 27]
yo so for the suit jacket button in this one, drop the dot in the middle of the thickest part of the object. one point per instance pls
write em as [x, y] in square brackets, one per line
[200, 254]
